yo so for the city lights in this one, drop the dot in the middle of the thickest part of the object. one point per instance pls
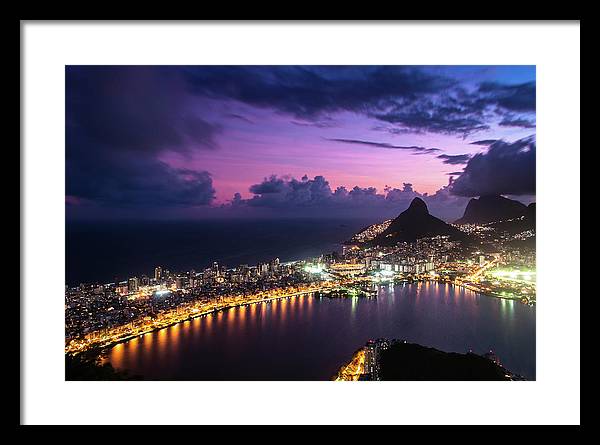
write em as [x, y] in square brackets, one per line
[99, 315]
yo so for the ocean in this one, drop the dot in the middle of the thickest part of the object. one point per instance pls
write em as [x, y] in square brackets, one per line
[114, 251]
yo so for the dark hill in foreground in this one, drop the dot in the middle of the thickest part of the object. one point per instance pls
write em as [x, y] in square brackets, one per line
[407, 361]
[90, 367]
[414, 223]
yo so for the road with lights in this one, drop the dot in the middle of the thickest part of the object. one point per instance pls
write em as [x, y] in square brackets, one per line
[108, 337]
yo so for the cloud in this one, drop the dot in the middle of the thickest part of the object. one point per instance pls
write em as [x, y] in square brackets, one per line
[456, 110]
[485, 142]
[519, 97]
[268, 186]
[506, 168]
[239, 117]
[120, 120]
[133, 181]
[411, 99]
[308, 92]
[414, 148]
[134, 108]
[324, 123]
[446, 205]
[455, 159]
[427, 116]
[290, 192]
[123, 122]
[288, 196]
[517, 122]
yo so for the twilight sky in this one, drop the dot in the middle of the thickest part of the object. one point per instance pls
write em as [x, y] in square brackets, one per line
[170, 142]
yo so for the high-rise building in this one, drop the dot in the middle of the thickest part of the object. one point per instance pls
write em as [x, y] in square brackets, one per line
[133, 284]
[158, 273]
[275, 265]
[263, 269]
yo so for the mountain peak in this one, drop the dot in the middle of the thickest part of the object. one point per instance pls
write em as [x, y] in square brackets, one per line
[414, 223]
[418, 205]
[490, 208]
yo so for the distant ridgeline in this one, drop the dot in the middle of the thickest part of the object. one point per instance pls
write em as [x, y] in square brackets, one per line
[503, 215]
[495, 208]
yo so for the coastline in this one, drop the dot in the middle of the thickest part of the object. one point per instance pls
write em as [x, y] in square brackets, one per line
[106, 346]
[191, 317]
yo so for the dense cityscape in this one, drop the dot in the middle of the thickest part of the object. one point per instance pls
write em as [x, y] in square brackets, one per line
[99, 315]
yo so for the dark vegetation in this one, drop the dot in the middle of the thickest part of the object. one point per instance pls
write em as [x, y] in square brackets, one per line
[90, 367]
[407, 361]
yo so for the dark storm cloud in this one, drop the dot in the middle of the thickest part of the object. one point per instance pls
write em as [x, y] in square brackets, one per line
[414, 148]
[429, 116]
[138, 182]
[119, 120]
[486, 142]
[510, 97]
[307, 92]
[457, 111]
[506, 168]
[134, 108]
[517, 122]
[411, 99]
[455, 159]
[454, 173]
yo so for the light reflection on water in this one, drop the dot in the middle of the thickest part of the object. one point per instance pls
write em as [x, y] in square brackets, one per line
[307, 338]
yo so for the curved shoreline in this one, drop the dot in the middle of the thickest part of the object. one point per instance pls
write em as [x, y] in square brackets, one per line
[103, 348]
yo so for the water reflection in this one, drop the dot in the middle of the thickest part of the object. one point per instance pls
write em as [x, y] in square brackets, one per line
[306, 337]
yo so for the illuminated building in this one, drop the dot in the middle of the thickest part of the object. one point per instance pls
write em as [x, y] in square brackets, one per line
[122, 288]
[133, 285]
[348, 268]
[263, 269]
[158, 273]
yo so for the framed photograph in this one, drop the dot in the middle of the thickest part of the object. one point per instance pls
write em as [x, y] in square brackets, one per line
[252, 214]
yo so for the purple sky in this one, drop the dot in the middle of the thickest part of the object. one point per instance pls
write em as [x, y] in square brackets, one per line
[183, 141]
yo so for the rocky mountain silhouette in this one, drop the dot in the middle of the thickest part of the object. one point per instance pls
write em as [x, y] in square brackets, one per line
[414, 223]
